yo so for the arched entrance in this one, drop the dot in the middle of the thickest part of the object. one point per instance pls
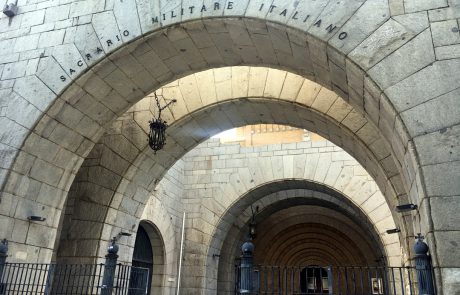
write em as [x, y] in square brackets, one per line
[70, 109]
[143, 255]
[149, 253]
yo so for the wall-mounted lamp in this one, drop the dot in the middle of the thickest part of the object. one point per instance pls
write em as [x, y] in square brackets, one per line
[393, 231]
[10, 9]
[120, 234]
[36, 218]
[406, 208]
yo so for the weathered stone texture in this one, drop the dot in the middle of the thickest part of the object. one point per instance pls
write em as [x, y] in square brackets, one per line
[37, 55]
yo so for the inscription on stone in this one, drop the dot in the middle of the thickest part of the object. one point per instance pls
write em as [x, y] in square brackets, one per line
[269, 8]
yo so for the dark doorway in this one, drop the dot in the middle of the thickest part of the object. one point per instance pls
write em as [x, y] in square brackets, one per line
[314, 280]
[142, 257]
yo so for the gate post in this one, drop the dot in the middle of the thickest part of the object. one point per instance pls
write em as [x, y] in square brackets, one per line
[246, 268]
[423, 267]
[109, 268]
[3, 255]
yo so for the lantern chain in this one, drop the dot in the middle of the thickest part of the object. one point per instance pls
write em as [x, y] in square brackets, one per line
[161, 108]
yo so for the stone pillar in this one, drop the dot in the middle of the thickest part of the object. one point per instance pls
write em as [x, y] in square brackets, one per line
[423, 267]
[109, 268]
[246, 269]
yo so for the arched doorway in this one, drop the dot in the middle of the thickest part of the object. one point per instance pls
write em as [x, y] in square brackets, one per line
[142, 256]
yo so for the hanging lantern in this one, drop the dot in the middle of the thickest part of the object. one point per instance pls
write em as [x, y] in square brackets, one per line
[157, 134]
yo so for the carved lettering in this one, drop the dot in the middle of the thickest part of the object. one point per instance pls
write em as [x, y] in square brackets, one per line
[296, 15]
[331, 28]
[343, 35]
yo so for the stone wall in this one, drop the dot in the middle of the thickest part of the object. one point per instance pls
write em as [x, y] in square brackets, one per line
[71, 67]
[218, 176]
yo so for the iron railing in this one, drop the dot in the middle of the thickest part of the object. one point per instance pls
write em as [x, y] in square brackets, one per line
[330, 280]
[57, 279]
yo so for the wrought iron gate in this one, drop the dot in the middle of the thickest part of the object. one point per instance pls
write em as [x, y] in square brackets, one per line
[57, 279]
[330, 280]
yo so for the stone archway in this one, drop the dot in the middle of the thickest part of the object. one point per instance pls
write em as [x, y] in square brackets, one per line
[156, 263]
[293, 207]
[127, 135]
[60, 139]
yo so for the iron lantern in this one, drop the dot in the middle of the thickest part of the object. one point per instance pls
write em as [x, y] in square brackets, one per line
[157, 133]
[252, 230]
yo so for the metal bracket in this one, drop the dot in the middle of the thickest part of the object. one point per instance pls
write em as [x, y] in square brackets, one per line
[11, 9]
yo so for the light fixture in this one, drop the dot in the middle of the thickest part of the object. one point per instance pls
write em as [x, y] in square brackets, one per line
[406, 208]
[157, 135]
[253, 225]
[393, 231]
[121, 234]
[10, 9]
[36, 218]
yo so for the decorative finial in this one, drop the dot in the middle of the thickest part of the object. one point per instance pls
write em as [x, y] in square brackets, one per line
[4, 247]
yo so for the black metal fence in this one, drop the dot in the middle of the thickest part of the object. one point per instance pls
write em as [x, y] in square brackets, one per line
[330, 280]
[57, 279]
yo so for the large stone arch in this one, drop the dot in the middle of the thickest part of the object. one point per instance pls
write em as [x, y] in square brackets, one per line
[58, 141]
[313, 199]
[146, 171]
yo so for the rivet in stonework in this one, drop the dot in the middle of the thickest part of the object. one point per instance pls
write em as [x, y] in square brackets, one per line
[455, 29]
